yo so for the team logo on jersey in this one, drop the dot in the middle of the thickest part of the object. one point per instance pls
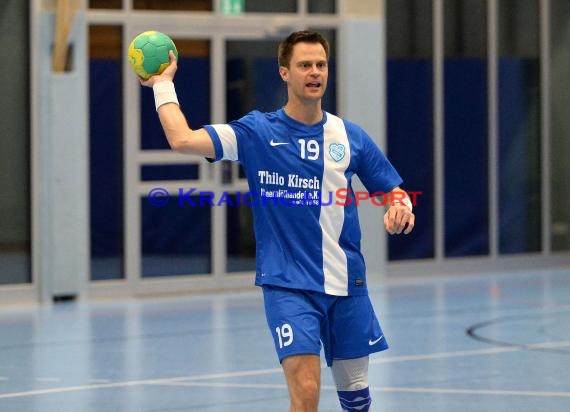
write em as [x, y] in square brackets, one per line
[337, 152]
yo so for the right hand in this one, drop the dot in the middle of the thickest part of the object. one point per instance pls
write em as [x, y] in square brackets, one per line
[166, 75]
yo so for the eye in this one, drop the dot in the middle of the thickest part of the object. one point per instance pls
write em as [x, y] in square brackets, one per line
[322, 65]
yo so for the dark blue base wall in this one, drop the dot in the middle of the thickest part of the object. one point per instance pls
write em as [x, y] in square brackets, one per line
[410, 148]
[465, 144]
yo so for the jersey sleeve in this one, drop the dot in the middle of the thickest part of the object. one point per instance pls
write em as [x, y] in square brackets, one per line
[228, 138]
[374, 169]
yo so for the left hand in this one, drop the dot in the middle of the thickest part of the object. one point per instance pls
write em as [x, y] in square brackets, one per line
[399, 218]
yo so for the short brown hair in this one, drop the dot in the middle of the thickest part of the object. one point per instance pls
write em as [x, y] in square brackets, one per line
[305, 36]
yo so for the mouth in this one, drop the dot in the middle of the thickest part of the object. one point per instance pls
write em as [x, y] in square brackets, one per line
[313, 85]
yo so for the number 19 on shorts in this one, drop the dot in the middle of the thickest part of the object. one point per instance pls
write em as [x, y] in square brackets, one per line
[285, 335]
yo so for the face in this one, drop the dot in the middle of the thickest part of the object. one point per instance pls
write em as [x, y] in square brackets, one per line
[307, 73]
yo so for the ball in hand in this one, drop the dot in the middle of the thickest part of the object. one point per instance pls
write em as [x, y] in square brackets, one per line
[148, 53]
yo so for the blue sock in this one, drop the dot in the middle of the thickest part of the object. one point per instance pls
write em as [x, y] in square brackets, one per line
[357, 401]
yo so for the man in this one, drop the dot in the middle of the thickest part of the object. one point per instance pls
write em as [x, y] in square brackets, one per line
[309, 263]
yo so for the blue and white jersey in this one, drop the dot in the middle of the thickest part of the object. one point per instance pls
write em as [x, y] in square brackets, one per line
[305, 218]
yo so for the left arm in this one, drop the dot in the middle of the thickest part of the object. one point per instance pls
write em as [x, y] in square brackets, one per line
[377, 173]
[399, 217]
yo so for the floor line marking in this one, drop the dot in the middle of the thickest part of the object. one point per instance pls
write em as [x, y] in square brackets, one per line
[226, 385]
[96, 380]
[475, 352]
[491, 392]
[448, 391]
[258, 372]
[78, 388]
[238, 374]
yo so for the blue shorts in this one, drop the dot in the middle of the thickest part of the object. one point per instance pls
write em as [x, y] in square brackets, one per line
[300, 320]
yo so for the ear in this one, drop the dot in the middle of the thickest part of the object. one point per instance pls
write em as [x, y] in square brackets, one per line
[284, 73]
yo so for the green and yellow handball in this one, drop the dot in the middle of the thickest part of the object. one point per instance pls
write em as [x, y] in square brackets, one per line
[148, 53]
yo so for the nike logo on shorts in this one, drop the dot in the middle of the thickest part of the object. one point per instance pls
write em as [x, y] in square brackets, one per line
[375, 341]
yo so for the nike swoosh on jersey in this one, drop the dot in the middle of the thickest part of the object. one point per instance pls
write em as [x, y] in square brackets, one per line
[375, 341]
[274, 143]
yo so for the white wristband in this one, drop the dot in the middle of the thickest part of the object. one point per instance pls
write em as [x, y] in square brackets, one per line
[164, 92]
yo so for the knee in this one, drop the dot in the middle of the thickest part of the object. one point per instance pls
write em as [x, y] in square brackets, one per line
[309, 387]
[304, 388]
[350, 374]
[303, 380]
[304, 396]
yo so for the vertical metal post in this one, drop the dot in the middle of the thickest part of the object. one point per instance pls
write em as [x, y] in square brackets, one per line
[131, 168]
[545, 127]
[218, 108]
[493, 123]
[35, 140]
[438, 128]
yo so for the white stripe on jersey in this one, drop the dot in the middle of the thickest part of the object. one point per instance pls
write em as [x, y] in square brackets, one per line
[228, 139]
[335, 267]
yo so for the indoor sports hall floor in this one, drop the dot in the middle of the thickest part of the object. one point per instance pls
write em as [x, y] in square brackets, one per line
[486, 343]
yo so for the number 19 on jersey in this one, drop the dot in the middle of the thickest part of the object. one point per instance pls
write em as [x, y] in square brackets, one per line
[309, 149]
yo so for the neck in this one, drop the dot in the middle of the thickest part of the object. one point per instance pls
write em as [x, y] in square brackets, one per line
[306, 113]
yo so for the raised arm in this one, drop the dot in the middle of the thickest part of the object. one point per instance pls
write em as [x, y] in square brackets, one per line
[179, 135]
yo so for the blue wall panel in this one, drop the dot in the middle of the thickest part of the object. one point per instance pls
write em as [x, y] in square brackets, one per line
[466, 175]
[410, 149]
